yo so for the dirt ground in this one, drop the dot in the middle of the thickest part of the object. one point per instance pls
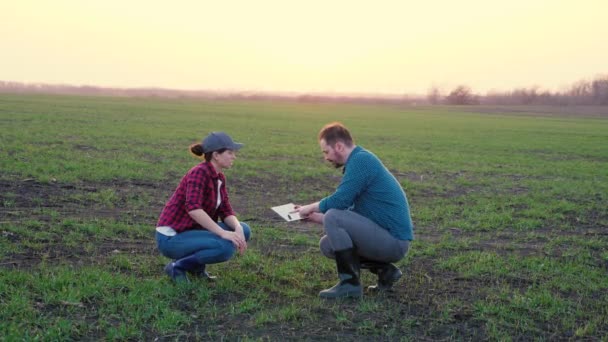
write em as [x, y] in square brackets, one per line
[30, 198]
[27, 200]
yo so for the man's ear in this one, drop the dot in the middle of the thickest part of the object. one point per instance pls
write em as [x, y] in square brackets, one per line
[339, 146]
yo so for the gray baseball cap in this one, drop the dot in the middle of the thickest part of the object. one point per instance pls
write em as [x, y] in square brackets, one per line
[219, 140]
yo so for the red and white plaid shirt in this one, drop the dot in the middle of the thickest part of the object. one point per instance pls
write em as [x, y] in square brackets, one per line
[198, 189]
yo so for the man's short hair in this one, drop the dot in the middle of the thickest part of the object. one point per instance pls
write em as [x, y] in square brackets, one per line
[334, 132]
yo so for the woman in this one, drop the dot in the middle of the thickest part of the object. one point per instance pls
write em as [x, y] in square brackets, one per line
[188, 230]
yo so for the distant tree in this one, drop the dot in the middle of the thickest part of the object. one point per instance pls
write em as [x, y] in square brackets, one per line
[525, 96]
[599, 90]
[433, 95]
[546, 98]
[462, 95]
[579, 93]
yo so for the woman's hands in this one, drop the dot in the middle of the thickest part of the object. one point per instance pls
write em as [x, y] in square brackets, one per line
[237, 236]
[237, 239]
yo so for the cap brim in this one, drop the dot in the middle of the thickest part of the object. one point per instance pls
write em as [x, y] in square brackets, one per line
[237, 146]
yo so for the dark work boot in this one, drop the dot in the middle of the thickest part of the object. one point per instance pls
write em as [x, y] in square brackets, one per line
[178, 268]
[388, 274]
[347, 262]
[371, 265]
[202, 273]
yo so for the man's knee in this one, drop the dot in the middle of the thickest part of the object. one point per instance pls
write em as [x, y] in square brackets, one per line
[325, 247]
[331, 219]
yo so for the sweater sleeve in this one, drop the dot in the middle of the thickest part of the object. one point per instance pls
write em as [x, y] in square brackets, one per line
[356, 179]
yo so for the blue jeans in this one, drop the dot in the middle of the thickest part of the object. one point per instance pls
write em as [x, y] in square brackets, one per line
[206, 246]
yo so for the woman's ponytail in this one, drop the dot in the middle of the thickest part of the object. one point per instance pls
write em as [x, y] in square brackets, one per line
[196, 150]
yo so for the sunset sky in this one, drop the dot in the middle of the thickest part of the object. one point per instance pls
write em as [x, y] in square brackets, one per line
[376, 46]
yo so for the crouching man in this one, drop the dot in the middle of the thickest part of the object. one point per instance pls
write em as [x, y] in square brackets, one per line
[366, 221]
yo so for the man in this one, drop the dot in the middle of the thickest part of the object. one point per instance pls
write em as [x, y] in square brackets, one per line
[366, 220]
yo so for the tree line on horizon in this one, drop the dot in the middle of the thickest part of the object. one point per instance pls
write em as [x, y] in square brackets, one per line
[584, 92]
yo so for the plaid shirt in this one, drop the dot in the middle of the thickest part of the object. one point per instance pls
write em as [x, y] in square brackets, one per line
[197, 190]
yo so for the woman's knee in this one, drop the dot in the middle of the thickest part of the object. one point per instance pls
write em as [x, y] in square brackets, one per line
[246, 230]
[227, 251]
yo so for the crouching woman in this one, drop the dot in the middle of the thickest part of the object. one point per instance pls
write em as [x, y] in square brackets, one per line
[197, 226]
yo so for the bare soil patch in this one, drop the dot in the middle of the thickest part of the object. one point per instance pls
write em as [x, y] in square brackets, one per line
[421, 295]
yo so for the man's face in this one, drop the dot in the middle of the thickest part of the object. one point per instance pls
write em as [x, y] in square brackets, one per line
[332, 154]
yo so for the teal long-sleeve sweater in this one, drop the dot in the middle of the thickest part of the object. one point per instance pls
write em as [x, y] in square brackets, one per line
[370, 190]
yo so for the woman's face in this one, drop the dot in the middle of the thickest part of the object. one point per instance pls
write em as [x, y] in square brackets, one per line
[224, 160]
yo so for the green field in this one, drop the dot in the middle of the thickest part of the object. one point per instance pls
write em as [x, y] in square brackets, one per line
[511, 216]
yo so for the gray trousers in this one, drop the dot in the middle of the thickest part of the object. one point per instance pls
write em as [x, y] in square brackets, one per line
[346, 229]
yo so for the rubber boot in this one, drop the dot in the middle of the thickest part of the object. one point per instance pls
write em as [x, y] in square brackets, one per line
[202, 273]
[347, 262]
[388, 275]
[178, 268]
[371, 265]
